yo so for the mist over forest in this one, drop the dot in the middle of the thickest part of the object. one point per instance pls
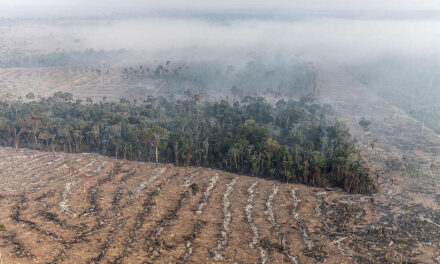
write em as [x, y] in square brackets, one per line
[237, 37]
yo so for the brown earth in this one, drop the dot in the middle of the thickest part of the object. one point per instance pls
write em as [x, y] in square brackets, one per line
[85, 208]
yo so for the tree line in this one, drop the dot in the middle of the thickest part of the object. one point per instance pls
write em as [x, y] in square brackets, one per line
[291, 141]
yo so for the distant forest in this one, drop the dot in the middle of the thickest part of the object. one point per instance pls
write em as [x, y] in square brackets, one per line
[273, 78]
[291, 141]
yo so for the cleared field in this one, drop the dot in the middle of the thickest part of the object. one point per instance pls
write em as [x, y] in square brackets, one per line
[82, 82]
[85, 208]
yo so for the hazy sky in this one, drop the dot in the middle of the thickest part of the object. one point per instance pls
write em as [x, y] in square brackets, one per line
[332, 38]
[336, 37]
[272, 4]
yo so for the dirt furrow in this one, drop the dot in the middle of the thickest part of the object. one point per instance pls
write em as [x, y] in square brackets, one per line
[255, 241]
[95, 191]
[146, 209]
[188, 179]
[189, 246]
[45, 164]
[156, 174]
[269, 207]
[66, 194]
[153, 241]
[227, 218]
[24, 164]
[207, 193]
[121, 188]
[305, 234]
[109, 240]
[19, 248]
[313, 248]
[279, 226]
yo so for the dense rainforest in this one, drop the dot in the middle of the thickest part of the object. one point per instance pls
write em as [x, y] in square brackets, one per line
[291, 141]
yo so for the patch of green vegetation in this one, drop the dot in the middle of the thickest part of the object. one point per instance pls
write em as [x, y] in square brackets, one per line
[194, 188]
[3, 228]
[129, 191]
[401, 241]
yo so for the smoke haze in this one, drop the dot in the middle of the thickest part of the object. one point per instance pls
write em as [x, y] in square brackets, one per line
[335, 39]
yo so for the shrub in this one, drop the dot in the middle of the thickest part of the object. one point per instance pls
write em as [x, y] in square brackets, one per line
[194, 188]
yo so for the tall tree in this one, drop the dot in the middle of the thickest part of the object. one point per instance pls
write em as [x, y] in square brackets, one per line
[154, 136]
[176, 138]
